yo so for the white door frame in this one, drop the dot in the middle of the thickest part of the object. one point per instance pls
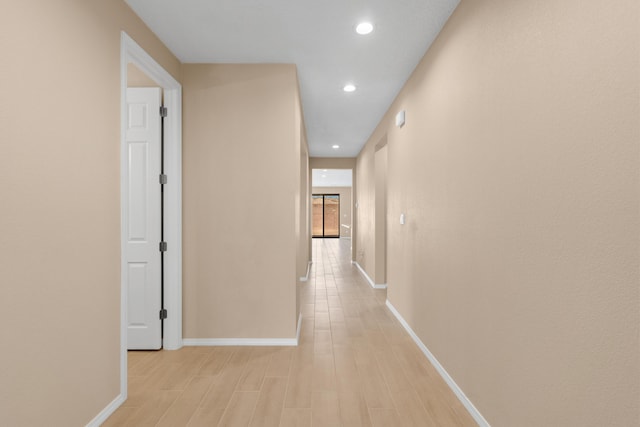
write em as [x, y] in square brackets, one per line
[131, 52]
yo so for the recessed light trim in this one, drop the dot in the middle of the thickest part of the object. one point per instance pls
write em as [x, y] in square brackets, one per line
[364, 28]
[349, 87]
[335, 146]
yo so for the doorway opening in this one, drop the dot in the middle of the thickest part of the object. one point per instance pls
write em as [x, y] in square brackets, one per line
[380, 166]
[331, 203]
[325, 215]
[171, 200]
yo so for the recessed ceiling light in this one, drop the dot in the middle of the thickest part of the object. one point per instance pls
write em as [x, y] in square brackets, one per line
[349, 88]
[364, 28]
[335, 147]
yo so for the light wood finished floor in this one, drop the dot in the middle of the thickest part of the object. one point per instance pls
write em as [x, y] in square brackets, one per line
[355, 365]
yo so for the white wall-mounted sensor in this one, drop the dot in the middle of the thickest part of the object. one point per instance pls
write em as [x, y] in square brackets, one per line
[402, 219]
[400, 119]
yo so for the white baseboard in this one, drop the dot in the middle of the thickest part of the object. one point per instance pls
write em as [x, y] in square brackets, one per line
[106, 412]
[477, 416]
[213, 342]
[306, 278]
[366, 276]
[204, 342]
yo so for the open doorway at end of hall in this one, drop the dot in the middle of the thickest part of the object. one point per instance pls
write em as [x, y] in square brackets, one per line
[326, 215]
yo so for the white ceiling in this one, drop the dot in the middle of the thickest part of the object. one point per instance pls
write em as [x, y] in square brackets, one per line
[320, 38]
[331, 178]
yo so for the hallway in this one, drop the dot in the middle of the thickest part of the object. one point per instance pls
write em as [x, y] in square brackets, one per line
[355, 365]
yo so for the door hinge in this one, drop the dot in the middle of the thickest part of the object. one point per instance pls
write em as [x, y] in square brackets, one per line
[163, 246]
[163, 314]
[163, 178]
[163, 111]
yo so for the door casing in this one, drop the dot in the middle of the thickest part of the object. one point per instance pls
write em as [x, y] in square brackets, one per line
[131, 52]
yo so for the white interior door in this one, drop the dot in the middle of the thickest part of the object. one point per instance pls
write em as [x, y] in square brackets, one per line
[143, 275]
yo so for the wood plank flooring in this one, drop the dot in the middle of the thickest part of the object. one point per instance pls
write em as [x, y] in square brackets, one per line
[355, 366]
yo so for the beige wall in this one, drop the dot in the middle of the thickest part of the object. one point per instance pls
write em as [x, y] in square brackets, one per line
[60, 217]
[332, 162]
[518, 169]
[345, 206]
[137, 78]
[242, 133]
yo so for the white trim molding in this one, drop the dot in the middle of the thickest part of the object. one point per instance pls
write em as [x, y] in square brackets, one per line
[306, 278]
[366, 276]
[205, 342]
[214, 342]
[477, 416]
[106, 412]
